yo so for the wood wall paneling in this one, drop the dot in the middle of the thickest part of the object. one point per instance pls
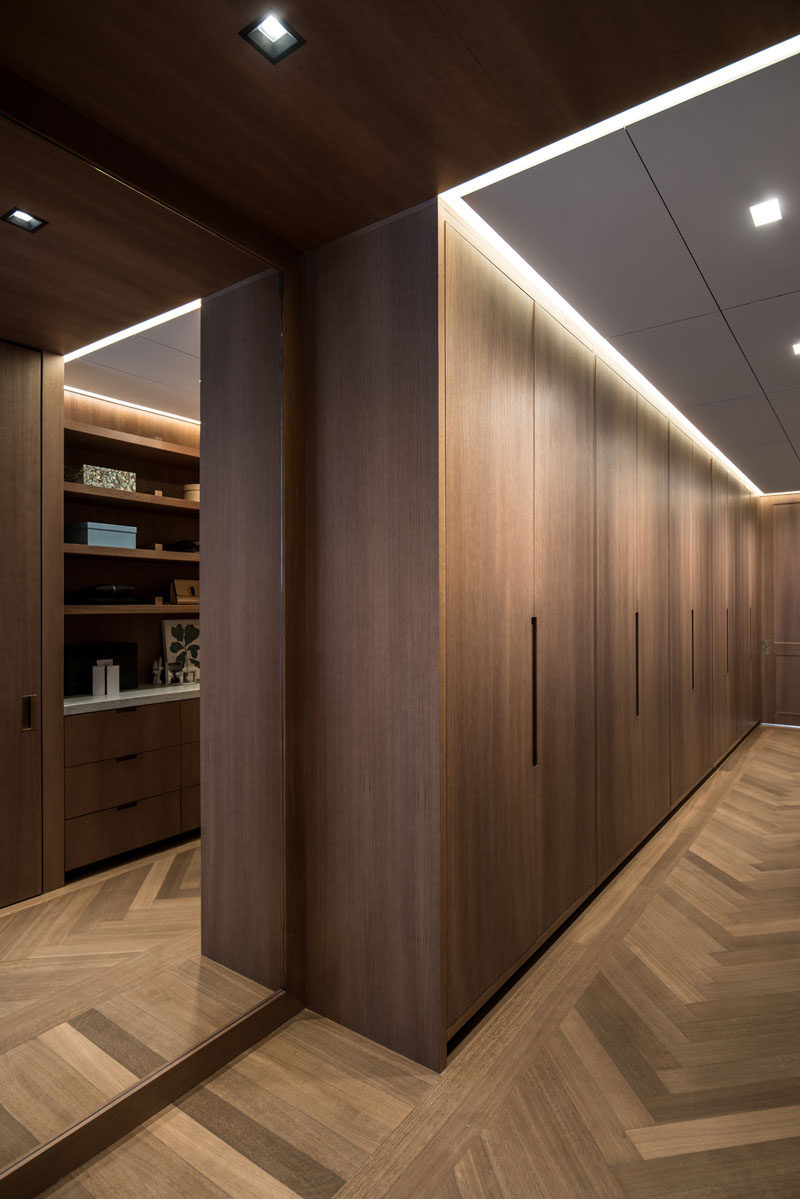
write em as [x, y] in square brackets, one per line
[492, 853]
[652, 575]
[372, 814]
[681, 604]
[564, 592]
[723, 565]
[21, 609]
[241, 717]
[702, 605]
[618, 619]
[52, 622]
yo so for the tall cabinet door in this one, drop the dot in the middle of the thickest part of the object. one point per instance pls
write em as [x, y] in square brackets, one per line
[564, 583]
[492, 857]
[722, 575]
[20, 607]
[702, 608]
[618, 824]
[652, 608]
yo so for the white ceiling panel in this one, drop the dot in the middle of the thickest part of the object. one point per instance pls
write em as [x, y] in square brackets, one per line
[714, 156]
[748, 420]
[767, 332]
[150, 360]
[787, 406]
[134, 389]
[182, 333]
[591, 223]
[691, 362]
[773, 467]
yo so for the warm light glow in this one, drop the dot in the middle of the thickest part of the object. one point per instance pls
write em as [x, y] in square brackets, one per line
[796, 347]
[707, 83]
[95, 395]
[542, 291]
[134, 329]
[272, 28]
[766, 212]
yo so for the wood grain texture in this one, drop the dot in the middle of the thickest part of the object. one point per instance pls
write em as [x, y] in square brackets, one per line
[97, 736]
[136, 258]
[780, 537]
[372, 798]
[723, 572]
[564, 591]
[241, 718]
[21, 609]
[100, 785]
[649, 1052]
[52, 622]
[115, 830]
[492, 852]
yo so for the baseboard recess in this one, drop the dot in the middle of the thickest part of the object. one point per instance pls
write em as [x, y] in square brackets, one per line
[43, 1167]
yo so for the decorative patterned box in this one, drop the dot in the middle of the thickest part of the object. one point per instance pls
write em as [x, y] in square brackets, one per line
[101, 476]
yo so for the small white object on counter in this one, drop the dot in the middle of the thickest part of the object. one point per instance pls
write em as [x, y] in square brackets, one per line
[74, 704]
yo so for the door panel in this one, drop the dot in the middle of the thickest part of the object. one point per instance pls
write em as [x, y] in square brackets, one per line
[564, 584]
[491, 831]
[20, 609]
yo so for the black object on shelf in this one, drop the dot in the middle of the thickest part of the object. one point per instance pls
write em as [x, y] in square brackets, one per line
[184, 547]
[79, 660]
[103, 593]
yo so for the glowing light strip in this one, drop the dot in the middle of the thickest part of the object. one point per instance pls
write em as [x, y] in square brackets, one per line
[192, 306]
[687, 91]
[543, 291]
[95, 395]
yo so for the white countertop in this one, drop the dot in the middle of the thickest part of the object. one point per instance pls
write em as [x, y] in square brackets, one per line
[74, 704]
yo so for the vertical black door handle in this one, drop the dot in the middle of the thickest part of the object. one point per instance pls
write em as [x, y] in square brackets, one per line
[727, 641]
[636, 636]
[29, 713]
[692, 649]
[535, 697]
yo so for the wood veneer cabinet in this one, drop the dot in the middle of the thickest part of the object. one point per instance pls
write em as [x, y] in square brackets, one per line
[469, 549]
[632, 618]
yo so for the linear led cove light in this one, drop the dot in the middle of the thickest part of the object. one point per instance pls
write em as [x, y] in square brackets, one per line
[192, 306]
[95, 395]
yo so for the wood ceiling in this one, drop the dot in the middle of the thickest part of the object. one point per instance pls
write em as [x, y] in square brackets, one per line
[386, 105]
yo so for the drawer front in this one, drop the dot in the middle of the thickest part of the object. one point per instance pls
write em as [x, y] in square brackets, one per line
[190, 720]
[190, 765]
[104, 834]
[97, 736]
[101, 785]
[190, 808]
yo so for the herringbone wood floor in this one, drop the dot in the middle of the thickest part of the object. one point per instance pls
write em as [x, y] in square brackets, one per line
[652, 1051]
[101, 983]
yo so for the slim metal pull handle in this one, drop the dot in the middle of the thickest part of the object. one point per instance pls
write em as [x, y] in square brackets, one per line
[535, 698]
[127, 757]
[727, 641]
[30, 705]
[636, 635]
[124, 711]
[123, 807]
[692, 649]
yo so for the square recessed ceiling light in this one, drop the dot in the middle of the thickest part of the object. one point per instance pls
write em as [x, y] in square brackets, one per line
[766, 212]
[796, 347]
[272, 37]
[23, 220]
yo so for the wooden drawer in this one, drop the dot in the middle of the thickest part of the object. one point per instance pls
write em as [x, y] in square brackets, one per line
[190, 808]
[103, 834]
[190, 765]
[190, 720]
[97, 736]
[101, 785]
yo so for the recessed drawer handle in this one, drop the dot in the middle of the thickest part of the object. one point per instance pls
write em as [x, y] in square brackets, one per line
[127, 757]
[124, 806]
[124, 711]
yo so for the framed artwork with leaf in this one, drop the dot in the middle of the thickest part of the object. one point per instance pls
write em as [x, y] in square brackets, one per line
[182, 646]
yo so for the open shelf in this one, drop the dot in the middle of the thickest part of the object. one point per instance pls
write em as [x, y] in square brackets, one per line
[128, 499]
[131, 609]
[109, 551]
[93, 436]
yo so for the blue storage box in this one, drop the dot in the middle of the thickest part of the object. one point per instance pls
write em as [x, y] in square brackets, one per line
[91, 533]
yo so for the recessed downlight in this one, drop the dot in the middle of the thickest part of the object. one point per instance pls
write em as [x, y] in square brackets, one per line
[272, 37]
[23, 219]
[766, 212]
[796, 347]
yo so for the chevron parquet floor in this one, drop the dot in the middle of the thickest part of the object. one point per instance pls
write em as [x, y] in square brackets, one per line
[652, 1051]
[102, 982]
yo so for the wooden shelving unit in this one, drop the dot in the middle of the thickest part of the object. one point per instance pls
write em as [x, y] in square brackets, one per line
[109, 551]
[133, 446]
